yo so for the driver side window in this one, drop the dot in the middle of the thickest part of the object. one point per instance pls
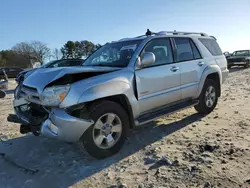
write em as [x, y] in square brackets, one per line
[162, 50]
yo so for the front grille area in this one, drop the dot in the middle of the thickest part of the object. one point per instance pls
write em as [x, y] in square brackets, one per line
[30, 94]
[236, 60]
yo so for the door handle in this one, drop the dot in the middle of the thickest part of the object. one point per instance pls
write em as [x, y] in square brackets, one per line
[174, 69]
[201, 63]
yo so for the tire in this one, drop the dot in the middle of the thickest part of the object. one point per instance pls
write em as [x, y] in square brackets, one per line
[202, 107]
[247, 65]
[100, 110]
[2, 94]
[36, 133]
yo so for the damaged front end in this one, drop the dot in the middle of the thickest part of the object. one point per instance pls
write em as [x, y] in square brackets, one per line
[49, 121]
[38, 108]
[30, 115]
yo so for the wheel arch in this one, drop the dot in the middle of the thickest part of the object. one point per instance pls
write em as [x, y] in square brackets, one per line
[214, 73]
[121, 99]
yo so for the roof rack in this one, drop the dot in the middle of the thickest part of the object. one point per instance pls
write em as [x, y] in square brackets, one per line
[181, 33]
[150, 33]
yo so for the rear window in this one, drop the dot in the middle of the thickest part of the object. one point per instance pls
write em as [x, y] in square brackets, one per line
[212, 46]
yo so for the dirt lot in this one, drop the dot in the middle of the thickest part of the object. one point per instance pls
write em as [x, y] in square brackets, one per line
[181, 150]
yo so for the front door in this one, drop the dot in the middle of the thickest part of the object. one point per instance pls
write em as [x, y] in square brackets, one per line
[158, 84]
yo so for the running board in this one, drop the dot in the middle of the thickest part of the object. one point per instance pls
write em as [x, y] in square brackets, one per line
[145, 118]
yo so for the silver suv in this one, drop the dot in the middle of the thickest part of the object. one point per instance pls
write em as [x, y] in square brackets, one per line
[123, 84]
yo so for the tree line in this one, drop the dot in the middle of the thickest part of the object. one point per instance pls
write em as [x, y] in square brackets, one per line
[25, 54]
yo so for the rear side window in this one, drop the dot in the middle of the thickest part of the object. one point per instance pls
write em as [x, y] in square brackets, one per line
[212, 46]
[186, 50]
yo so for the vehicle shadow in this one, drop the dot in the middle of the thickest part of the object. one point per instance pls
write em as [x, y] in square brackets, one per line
[57, 164]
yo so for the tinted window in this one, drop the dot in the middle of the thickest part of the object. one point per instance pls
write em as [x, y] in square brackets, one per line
[65, 63]
[196, 52]
[184, 49]
[212, 46]
[241, 53]
[162, 50]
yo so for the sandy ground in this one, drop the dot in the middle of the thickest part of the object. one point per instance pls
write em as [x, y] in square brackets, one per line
[181, 150]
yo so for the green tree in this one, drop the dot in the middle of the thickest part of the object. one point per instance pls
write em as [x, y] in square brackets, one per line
[68, 50]
[78, 49]
[9, 58]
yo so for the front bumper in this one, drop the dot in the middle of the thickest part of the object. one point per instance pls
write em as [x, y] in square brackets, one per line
[237, 63]
[58, 124]
[68, 128]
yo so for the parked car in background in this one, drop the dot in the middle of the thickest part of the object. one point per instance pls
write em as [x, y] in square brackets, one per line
[51, 64]
[123, 84]
[11, 72]
[239, 58]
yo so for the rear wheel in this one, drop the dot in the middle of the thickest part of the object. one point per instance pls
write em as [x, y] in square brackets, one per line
[107, 136]
[208, 98]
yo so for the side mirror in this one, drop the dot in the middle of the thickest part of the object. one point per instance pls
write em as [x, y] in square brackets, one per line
[147, 58]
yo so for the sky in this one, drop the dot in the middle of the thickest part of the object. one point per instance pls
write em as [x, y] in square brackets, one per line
[54, 22]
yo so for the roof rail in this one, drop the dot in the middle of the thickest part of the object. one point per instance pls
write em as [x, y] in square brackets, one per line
[213, 37]
[181, 33]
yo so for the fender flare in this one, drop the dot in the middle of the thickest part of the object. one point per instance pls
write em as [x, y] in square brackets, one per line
[209, 70]
[109, 89]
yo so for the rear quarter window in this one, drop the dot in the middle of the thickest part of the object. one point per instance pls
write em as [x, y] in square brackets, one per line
[212, 46]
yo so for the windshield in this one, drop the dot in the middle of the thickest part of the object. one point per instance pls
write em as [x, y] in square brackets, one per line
[241, 53]
[113, 54]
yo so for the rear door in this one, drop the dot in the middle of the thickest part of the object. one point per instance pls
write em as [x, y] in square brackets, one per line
[158, 84]
[191, 64]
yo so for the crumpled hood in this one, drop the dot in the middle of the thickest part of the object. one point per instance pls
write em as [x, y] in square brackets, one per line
[41, 77]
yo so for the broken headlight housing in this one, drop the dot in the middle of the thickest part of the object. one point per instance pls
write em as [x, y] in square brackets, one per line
[53, 96]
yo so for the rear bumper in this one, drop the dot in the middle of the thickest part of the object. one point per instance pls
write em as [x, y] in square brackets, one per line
[62, 126]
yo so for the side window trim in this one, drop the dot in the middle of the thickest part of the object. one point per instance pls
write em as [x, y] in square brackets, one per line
[172, 52]
[191, 41]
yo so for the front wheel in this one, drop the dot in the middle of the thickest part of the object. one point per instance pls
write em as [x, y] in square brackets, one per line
[208, 98]
[107, 136]
[247, 65]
